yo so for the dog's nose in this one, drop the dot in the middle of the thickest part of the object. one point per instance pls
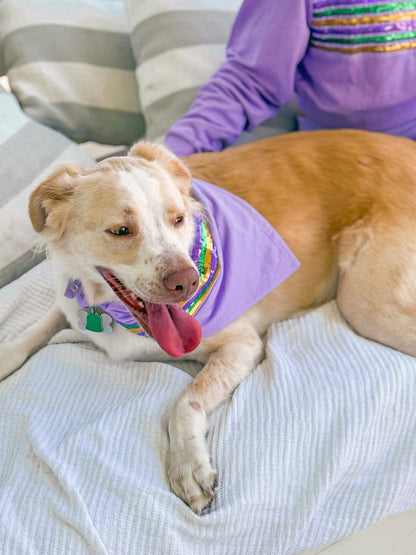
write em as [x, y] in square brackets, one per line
[184, 282]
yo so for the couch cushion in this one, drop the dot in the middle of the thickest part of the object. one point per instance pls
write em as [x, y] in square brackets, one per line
[29, 152]
[178, 45]
[70, 64]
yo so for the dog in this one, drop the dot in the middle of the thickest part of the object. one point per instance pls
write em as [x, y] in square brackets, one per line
[343, 202]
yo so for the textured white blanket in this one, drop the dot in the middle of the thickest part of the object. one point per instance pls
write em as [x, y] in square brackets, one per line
[319, 442]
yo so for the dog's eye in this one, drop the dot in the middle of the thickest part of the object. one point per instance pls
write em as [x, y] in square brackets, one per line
[123, 230]
[179, 220]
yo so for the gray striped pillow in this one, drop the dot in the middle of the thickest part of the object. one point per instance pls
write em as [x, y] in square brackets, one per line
[71, 66]
[29, 152]
[178, 45]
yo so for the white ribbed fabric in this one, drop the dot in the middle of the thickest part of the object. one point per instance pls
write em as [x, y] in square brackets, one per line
[318, 443]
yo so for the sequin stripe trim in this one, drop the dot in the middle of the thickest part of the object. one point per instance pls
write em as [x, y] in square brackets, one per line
[202, 294]
[318, 4]
[206, 258]
[362, 9]
[365, 33]
[364, 20]
[203, 249]
[366, 39]
[208, 267]
[396, 47]
[135, 328]
[368, 31]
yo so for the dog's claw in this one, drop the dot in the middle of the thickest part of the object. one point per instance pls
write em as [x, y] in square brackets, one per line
[195, 483]
[211, 490]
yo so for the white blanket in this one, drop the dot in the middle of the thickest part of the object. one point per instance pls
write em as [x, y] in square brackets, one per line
[318, 443]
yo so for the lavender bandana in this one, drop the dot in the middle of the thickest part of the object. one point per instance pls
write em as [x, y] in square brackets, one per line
[239, 256]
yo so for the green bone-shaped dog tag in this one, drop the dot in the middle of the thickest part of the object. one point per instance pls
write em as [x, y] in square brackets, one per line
[94, 322]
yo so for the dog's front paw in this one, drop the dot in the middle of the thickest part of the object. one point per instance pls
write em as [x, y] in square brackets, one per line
[192, 479]
[190, 473]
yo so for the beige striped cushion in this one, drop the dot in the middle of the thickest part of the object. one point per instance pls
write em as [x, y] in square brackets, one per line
[71, 66]
[178, 45]
[29, 152]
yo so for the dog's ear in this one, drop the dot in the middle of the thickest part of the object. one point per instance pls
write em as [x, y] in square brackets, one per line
[146, 150]
[49, 202]
[159, 153]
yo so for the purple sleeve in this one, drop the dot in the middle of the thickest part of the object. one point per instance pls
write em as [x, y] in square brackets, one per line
[268, 40]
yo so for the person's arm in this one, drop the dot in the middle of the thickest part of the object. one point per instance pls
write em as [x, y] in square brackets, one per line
[268, 40]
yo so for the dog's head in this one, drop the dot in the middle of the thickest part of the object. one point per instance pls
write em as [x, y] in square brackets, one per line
[125, 229]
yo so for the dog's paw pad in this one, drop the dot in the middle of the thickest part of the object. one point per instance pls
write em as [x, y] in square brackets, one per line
[195, 483]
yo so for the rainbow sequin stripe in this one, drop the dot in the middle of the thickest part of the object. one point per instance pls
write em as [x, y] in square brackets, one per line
[351, 26]
[205, 256]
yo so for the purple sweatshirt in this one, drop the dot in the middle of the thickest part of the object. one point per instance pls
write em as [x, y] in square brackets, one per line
[352, 63]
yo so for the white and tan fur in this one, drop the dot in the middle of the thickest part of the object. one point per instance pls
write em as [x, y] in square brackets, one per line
[344, 201]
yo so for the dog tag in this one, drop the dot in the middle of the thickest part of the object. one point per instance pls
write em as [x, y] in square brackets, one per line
[91, 320]
[94, 322]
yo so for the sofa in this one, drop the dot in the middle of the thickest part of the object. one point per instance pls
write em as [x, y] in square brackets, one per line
[318, 443]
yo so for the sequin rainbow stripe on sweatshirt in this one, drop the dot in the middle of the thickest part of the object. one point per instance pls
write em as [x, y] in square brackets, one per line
[351, 26]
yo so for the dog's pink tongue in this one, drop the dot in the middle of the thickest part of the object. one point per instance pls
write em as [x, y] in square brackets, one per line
[174, 329]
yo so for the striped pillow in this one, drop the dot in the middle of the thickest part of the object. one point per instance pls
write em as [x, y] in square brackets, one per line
[71, 66]
[178, 45]
[29, 152]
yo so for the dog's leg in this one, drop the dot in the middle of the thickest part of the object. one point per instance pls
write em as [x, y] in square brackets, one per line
[14, 354]
[238, 349]
[377, 286]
